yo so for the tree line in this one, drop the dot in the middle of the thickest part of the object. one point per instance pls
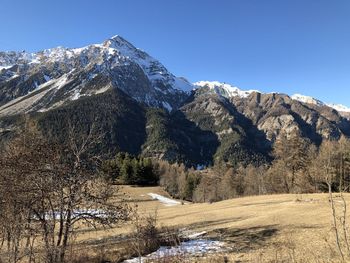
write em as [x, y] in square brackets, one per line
[132, 170]
[298, 166]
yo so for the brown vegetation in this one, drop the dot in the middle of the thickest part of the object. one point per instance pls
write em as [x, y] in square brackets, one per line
[52, 194]
[47, 191]
[298, 167]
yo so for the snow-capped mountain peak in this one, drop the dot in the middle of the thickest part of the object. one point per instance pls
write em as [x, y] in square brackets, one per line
[307, 99]
[119, 63]
[224, 89]
[118, 42]
[152, 67]
[339, 107]
[311, 100]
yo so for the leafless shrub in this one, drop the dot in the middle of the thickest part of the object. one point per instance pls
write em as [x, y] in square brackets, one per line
[145, 235]
[49, 190]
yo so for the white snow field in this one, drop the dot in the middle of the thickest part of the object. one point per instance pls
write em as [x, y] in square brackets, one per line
[198, 247]
[165, 200]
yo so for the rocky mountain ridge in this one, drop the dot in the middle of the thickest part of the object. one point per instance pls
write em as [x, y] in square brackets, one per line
[140, 107]
[50, 78]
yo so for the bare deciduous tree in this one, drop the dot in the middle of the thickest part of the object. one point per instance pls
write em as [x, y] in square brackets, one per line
[49, 190]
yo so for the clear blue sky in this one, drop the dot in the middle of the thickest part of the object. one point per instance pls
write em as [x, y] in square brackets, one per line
[290, 46]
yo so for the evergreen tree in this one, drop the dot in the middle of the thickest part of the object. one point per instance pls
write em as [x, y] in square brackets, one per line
[136, 177]
[126, 170]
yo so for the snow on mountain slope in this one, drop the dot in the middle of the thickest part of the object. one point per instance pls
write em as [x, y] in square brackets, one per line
[339, 107]
[311, 100]
[116, 62]
[223, 89]
[30, 101]
[96, 68]
[152, 67]
[307, 99]
[115, 48]
[229, 91]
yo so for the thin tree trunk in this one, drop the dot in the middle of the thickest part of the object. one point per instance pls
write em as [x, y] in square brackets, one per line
[335, 221]
[344, 223]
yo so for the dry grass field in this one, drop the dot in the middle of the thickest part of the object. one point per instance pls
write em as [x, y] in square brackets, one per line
[272, 228]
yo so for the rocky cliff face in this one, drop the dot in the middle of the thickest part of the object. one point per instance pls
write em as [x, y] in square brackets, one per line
[273, 113]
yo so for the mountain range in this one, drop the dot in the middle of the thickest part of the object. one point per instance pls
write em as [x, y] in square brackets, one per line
[138, 106]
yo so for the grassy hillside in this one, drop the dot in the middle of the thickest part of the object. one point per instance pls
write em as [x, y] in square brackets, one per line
[274, 228]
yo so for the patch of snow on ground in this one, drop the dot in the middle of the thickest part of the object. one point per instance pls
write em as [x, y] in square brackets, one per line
[5, 67]
[200, 247]
[14, 76]
[87, 213]
[165, 200]
[167, 106]
[195, 235]
[60, 82]
[200, 167]
[76, 94]
[102, 90]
